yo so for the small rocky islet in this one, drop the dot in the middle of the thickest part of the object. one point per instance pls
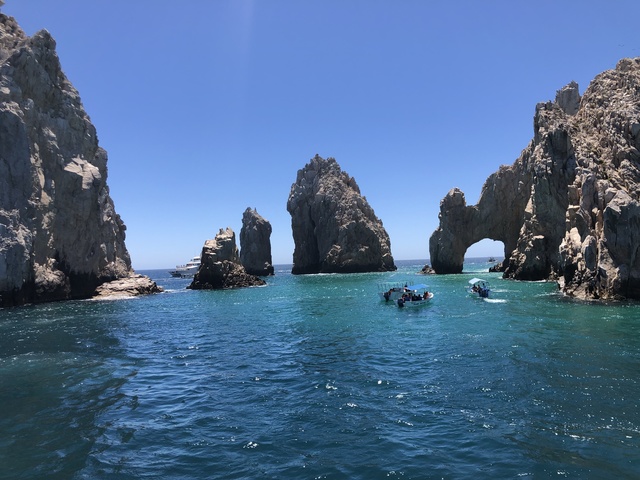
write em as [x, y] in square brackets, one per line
[566, 210]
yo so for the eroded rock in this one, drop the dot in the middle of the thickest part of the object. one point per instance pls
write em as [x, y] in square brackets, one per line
[220, 266]
[60, 237]
[335, 230]
[255, 244]
[568, 208]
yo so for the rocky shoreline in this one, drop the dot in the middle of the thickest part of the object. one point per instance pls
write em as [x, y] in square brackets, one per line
[566, 210]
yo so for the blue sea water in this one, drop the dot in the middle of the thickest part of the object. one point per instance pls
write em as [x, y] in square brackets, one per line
[313, 377]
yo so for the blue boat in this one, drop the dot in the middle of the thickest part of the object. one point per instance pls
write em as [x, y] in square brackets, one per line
[479, 288]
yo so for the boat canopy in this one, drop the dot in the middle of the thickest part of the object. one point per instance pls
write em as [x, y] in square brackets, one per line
[417, 286]
[476, 280]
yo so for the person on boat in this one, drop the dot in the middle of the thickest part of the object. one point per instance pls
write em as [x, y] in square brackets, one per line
[426, 295]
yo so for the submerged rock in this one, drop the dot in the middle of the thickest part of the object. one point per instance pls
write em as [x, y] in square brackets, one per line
[255, 244]
[568, 208]
[220, 266]
[334, 228]
[60, 237]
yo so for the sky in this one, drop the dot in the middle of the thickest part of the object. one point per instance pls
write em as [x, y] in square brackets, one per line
[206, 108]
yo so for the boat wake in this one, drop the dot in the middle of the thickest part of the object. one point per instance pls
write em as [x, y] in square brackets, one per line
[495, 300]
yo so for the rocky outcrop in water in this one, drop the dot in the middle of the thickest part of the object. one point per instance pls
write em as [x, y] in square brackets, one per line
[60, 237]
[220, 266]
[568, 208]
[334, 228]
[255, 244]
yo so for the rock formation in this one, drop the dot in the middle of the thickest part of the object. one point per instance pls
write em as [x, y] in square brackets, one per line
[129, 286]
[255, 244]
[60, 236]
[220, 266]
[334, 228]
[568, 208]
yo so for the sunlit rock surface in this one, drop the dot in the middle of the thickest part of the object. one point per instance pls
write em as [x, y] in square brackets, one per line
[60, 237]
[220, 266]
[568, 208]
[335, 230]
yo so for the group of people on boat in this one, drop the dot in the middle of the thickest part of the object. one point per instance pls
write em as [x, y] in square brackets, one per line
[414, 297]
[482, 289]
[387, 295]
[478, 288]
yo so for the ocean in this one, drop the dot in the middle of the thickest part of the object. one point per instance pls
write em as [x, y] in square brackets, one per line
[314, 377]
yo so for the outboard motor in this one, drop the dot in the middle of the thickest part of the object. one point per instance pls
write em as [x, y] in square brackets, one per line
[401, 302]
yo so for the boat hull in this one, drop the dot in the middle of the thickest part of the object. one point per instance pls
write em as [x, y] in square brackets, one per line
[402, 303]
[188, 270]
[184, 272]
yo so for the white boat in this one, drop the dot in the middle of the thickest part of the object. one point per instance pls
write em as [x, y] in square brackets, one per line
[390, 292]
[188, 270]
[415, 296]
[479, 288]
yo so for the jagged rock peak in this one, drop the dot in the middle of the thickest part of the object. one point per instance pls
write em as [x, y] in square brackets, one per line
[568, 207]
[568, 98]
[60, 237]
[255, 244]
[335, 230]
[220, 266]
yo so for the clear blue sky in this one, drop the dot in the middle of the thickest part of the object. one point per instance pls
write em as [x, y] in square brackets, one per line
[209, 107]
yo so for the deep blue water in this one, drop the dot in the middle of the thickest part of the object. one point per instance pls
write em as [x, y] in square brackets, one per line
[314, 377]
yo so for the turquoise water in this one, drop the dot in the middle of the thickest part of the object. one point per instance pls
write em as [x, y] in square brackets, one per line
[314, 377]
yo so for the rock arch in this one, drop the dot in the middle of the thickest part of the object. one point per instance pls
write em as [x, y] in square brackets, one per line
[568, 207]
[523, 206]
[461, 225]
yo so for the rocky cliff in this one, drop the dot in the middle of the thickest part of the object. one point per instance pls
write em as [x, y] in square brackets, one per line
[255, 244]
[220, 266]
[60, 236]
[334, 228]
[568, 208]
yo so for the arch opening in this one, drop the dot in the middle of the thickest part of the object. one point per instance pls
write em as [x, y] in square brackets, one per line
[485, 255]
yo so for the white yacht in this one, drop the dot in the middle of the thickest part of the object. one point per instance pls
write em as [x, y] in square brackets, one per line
[188, 270]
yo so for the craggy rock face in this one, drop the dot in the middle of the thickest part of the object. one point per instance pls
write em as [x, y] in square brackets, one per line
[220, 266]
[255, 244]
[60, 236]
[334, 228]
[568, 208]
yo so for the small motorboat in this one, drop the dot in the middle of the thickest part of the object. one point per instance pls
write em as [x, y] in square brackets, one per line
[479, 288]
[390, 292]
[188, 270]
[414, 296]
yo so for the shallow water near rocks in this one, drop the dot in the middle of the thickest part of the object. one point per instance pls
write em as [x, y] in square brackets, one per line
[314, 377]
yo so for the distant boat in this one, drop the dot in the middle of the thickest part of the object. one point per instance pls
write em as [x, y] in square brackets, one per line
[415, 296]
[491, 259]
[188, 270]
[479, 288]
